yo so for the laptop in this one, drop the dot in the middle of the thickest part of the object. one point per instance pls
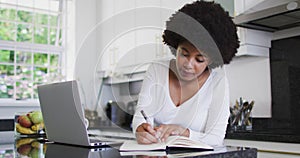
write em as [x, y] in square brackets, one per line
[64, 117]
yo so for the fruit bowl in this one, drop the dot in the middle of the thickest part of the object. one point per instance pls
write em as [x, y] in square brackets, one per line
[29, 124]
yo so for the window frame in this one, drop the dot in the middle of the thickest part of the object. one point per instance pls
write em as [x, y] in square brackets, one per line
[38, 48]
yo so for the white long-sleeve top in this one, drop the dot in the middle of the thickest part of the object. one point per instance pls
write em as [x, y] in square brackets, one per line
[205, 114]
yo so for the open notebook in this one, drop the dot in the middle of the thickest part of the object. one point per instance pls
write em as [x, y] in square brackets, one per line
[173, 143]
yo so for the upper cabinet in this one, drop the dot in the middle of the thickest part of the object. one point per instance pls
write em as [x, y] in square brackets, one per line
[275, 19]
[131, 35]
[242, 6]
[252, 42]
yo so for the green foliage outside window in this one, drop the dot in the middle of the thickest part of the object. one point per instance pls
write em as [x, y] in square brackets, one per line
[7, 56]
[24, 16]
[41, 35]
[7, 13]
[22, 71]
[23, 57]
[7, 31]
[24, 33]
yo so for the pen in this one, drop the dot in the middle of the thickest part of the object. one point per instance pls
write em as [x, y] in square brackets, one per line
[145, 117]
[148, 121]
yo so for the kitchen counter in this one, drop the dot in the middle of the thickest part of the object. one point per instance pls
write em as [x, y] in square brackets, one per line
[38, 147]
[275, 135]
[268, 130]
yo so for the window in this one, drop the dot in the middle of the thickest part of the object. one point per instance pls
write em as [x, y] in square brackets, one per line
[32, 42]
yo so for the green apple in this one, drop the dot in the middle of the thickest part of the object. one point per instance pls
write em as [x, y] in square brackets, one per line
[36, 153]
[36, 117]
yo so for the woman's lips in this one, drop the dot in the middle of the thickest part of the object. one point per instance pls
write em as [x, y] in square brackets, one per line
[186, 73]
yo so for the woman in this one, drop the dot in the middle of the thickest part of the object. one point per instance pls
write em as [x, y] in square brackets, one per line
[188, 95]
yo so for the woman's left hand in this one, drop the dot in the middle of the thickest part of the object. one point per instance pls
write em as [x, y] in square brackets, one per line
[166, 130]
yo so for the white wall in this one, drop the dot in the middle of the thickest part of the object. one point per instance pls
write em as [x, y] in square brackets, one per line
[249, 78]
[86, 41]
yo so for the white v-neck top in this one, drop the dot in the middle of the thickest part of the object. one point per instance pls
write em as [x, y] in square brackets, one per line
[205, 114]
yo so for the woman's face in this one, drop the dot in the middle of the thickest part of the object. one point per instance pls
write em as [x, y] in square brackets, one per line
[190, 62]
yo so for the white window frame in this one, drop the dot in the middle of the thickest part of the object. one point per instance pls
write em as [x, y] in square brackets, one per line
[10, 106]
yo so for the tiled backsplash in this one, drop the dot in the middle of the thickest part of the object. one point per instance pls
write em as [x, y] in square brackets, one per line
[285, 74]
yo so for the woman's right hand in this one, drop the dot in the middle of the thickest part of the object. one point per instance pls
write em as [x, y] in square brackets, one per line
[145, 134]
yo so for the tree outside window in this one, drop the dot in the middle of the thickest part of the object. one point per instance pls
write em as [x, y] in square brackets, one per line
[30, 47]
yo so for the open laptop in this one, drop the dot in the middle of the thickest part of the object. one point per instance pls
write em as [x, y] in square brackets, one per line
[64, 117]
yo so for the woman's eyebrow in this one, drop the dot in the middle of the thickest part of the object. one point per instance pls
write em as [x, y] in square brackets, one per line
[183, 48]
[200, 55]
[186, 50]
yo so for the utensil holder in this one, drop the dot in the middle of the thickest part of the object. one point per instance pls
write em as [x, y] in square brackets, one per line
[244, 122]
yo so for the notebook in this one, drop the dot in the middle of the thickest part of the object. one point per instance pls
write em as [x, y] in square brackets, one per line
[64, 117]
[172, 144]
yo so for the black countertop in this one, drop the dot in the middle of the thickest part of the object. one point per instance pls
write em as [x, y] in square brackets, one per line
[58, 150]
[263, 130]
[266, 130]
[270, 136]
[37, 147]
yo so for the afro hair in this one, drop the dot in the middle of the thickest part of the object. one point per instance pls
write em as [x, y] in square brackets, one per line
[215, 20]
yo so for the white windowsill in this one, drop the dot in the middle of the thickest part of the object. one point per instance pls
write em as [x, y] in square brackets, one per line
[17, 103]
[8, 107]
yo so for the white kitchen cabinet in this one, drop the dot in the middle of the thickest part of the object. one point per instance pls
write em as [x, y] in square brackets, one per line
[115, 19]
[241, 6]
[257, 43]
[149, 28]
[249, 6]
[252, 42]
[134, 36]
[268, 149]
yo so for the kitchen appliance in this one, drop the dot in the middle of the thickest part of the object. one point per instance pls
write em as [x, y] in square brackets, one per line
[115, 112]
[93, 118]
[119, 114]
[284, 15]
[131, 106]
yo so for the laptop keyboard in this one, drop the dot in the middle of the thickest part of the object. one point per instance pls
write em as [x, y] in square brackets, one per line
[97, 136]
[111, 134]
[97, 140]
